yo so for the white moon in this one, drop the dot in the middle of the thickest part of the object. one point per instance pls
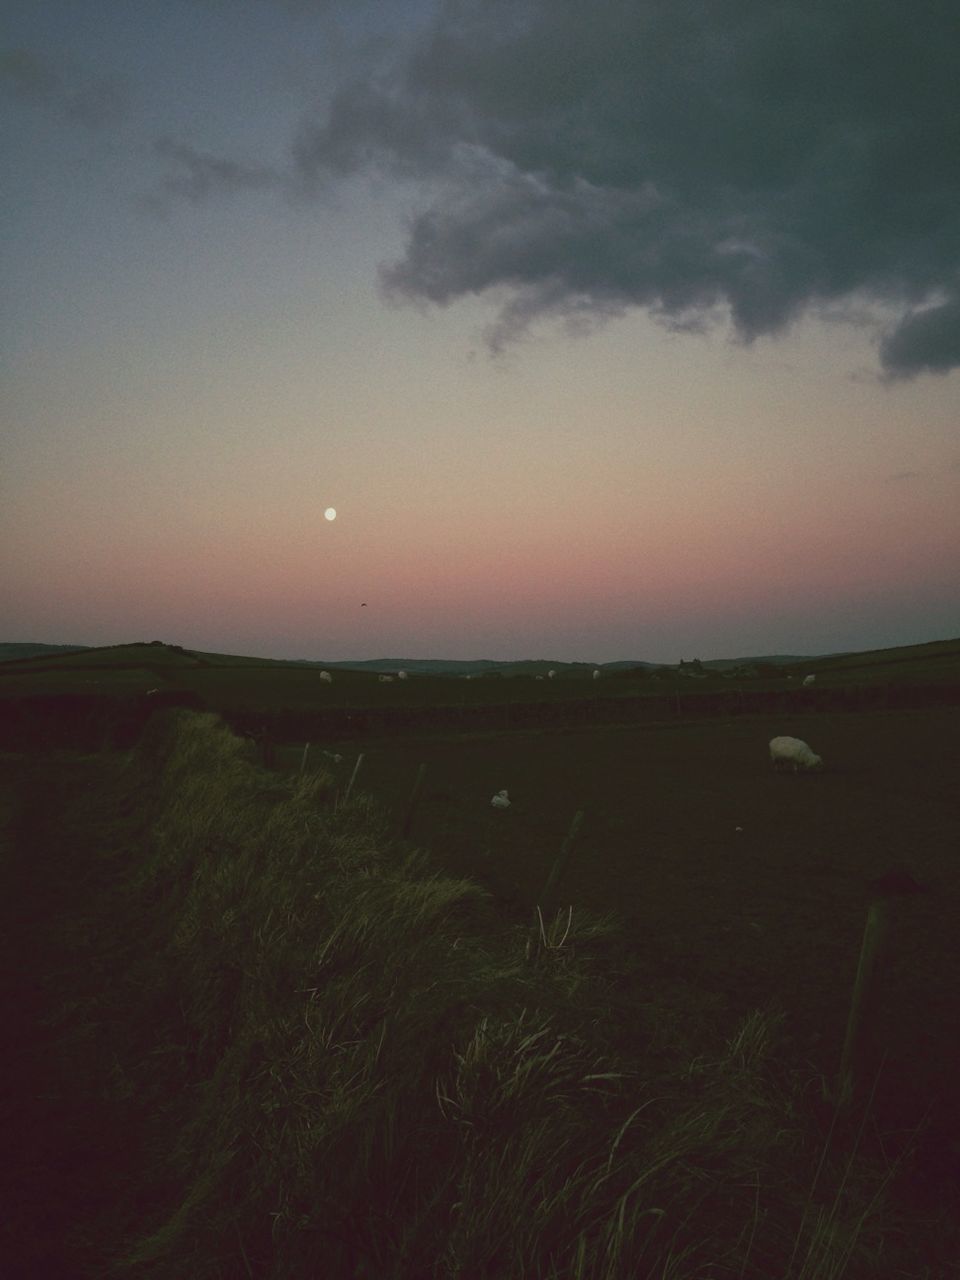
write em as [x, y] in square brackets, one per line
[330, 513]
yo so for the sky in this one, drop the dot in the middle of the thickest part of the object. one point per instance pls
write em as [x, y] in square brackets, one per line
[610, 330]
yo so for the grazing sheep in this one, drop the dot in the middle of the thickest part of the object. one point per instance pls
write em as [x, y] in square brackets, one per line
[808, 680]
[538, 677]
[794, 754]
[551, 675]
[326, 677]
[149, 691]
[401, 675]
[596, 675]
[501, 800]
[386, 679]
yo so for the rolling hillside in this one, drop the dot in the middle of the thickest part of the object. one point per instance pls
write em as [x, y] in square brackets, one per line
[144, 665]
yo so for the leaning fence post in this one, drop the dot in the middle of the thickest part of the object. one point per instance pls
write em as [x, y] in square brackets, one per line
[353, 778]
[303, 762]
[884, 892]
[412, 803]
[563, 857]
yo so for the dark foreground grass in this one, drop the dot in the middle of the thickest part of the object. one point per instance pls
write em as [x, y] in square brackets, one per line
[331, 1060]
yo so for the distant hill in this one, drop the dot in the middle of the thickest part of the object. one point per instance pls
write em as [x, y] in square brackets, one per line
[474, 667]
[420, 666]
[538, 666]
[773, 659]
[943, 654]
[16, 652]
[113, 655]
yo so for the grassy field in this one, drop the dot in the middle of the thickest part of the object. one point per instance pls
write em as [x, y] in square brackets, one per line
[276, 1041]
[748, 883]
[193, 942]
[102, 698]
[227, 683]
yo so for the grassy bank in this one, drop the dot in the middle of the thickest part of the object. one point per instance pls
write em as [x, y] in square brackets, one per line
[330, 1059]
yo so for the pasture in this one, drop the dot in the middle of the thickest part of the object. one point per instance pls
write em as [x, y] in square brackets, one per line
[732, 887]
[721, 873]
[749, 884]
[230, 684]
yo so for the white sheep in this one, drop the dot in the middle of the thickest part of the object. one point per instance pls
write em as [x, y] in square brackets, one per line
[150, 692]
[326, 677]
[501, 800]
[807, 680]
[386, 679]
[551, 675]
[596, 675]
[401, 675]
[793, 753]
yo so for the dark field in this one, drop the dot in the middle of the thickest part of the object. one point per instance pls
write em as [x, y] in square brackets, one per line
[732, 887]
[101, 699]
[770, 913]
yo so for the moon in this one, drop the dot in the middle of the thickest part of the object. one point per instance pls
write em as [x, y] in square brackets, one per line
[330, 513]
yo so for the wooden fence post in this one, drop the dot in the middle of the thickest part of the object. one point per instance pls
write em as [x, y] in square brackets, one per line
[860, 1033]
[353, 778]
[563, 857]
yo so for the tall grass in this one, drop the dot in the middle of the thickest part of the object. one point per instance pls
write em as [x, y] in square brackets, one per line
[355, 1066]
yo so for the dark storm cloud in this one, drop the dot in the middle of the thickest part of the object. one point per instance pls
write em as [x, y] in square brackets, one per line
[764, 156]
[97, 102]
[927, 339]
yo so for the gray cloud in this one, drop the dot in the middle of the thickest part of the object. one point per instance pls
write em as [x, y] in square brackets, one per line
[101, 102]
[691, 157]
[198, 176]
[924, 340]
[97, 102]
